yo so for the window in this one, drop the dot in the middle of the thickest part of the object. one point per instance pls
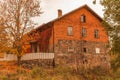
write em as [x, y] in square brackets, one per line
[96, 34]
[70, 30]
[70, 49]
[84, 50]
[83, 18]
[97, 50]
[83, 32]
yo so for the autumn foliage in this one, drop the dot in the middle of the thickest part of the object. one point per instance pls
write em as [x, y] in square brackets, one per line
[15, 16]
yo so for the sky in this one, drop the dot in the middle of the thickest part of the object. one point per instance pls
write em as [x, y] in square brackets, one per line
[50, 8]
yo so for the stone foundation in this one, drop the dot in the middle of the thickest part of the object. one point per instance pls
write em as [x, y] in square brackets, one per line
[72, 52]
[77, 46]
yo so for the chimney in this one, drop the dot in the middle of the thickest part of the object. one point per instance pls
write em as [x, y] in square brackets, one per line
[59, 12]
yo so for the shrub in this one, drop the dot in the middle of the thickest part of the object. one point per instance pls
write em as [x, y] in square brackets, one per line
[99, 71]
[61, 70]
[38, 72]
[4, 78]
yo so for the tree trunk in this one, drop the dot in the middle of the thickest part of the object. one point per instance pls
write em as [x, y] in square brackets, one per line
[19, 55]
[19, 60]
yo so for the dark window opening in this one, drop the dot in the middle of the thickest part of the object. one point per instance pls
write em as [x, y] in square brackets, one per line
[84, 50]
[83, 18]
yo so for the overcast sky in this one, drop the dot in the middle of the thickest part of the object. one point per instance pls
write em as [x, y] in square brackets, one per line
[50, 7]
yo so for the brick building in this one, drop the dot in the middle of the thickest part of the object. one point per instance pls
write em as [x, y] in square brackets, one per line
[79, 31]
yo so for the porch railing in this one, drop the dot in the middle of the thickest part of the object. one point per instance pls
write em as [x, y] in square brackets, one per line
[28, 56]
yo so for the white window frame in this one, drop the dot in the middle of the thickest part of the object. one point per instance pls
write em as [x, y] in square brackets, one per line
[70, 49]
[97, 50]
[70, 30]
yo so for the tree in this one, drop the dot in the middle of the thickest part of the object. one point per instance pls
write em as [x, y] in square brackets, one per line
[16, 17]
[4, 39]
[112, 16]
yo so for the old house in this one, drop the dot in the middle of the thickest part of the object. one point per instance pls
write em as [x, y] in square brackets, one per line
[77, 32]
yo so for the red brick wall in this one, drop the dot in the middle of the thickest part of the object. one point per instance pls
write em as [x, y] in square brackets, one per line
[73, 19]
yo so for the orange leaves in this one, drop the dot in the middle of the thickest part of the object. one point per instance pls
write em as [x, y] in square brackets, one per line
[4, 39]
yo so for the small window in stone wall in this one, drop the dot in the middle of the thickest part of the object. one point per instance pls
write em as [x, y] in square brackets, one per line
[84, 50]
[97, 50]
[70, 49]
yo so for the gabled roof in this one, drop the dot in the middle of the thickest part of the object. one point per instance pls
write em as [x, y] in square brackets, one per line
[84, 6]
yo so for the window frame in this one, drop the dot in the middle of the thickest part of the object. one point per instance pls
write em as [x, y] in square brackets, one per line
[84, 32]
[70, 49]
[70, 30]
[83, 18]
[97, 50]
[96, 33]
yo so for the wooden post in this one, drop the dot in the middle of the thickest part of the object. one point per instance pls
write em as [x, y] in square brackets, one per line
[53, 63]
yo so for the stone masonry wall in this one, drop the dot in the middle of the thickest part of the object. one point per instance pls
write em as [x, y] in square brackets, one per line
[76, 46]
[70, 51]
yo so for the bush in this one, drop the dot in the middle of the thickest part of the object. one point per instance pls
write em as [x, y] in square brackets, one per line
[99, 71]
[38, 72]
[65, 72]
[61, 70]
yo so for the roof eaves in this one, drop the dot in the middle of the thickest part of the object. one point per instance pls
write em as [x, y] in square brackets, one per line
[86, 6]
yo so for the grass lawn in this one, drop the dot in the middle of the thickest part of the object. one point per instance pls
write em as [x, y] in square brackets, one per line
[10, 71]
